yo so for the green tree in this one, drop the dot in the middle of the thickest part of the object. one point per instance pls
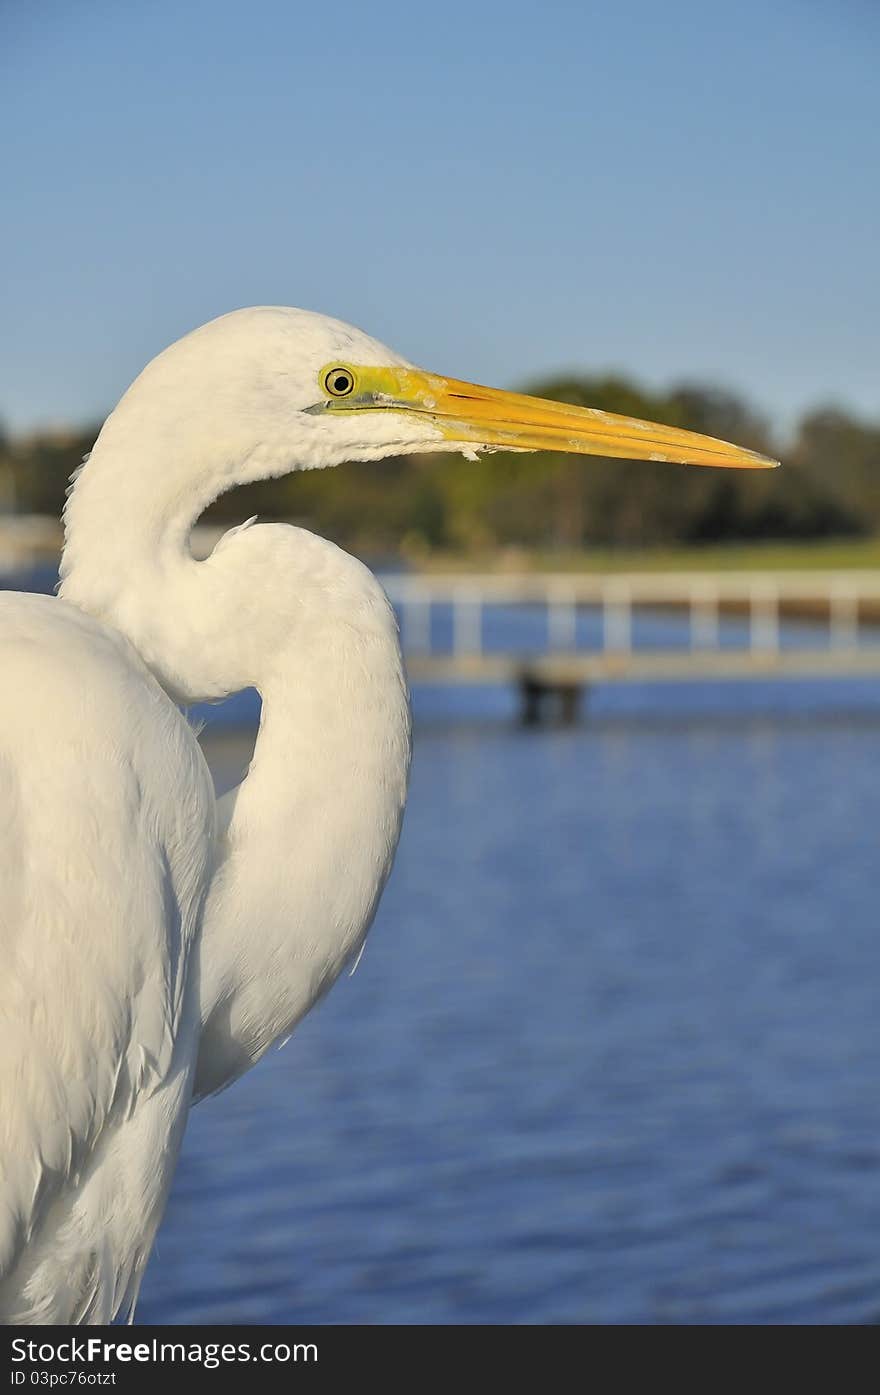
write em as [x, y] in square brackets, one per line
[842, 456]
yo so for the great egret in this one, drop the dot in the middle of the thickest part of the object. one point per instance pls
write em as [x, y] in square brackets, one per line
[156, 942]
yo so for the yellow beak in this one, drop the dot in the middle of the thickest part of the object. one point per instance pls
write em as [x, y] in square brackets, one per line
[482, 416]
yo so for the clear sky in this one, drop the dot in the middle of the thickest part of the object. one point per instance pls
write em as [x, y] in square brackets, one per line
[499, 189]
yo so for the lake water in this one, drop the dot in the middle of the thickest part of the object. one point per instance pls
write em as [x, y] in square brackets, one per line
[611, 1054]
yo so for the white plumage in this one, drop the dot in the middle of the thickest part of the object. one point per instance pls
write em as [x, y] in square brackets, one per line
[107, 827]
[156, 942]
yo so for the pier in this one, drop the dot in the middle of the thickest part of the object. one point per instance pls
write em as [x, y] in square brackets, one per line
[554, 678]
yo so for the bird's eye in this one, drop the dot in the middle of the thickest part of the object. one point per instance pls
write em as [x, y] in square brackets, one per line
[339, 382]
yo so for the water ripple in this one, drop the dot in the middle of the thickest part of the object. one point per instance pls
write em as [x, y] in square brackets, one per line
[611, 1055]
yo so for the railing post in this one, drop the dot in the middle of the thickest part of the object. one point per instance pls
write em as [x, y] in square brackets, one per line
[616, 617]
[704, 615]
[467, 624]
[764, 616]
[561, 620]
[417, 621]
[843, 607]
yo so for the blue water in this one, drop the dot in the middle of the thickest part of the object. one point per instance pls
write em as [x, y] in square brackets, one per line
[611, 1054]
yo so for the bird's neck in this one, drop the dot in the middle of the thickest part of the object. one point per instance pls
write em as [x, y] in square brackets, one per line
[310, 839]
[127, 558]
[310, 834]
[136, 496]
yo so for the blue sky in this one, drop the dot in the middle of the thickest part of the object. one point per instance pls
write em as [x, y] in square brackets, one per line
[499, 190]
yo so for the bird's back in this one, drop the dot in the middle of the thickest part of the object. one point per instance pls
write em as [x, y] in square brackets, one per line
[106, 828]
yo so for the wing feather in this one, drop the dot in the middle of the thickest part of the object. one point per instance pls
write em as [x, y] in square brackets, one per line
[106, 825]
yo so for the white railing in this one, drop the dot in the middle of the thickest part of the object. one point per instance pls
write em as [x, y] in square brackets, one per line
[837, 597]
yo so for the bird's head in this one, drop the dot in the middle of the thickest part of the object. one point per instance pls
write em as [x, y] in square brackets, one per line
[271, 389]
[254, 395]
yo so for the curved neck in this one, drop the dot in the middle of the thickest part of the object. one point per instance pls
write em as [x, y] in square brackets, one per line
[310, 838]
[311, 832]
[136, 496]
[127, 561]
[127, 558]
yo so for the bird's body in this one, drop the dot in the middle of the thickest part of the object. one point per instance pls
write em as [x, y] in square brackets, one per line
[106, 833]
[155, 942]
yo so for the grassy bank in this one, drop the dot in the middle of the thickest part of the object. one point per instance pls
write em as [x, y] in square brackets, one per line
[861, 553]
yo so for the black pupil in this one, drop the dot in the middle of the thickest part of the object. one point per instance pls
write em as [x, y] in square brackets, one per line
[341, 382]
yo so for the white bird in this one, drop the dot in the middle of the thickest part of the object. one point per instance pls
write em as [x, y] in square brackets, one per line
[155, 941]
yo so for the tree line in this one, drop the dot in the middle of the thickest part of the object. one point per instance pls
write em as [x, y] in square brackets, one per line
[829, 486]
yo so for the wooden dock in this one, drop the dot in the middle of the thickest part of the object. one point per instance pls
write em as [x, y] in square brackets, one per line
[555, 680]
